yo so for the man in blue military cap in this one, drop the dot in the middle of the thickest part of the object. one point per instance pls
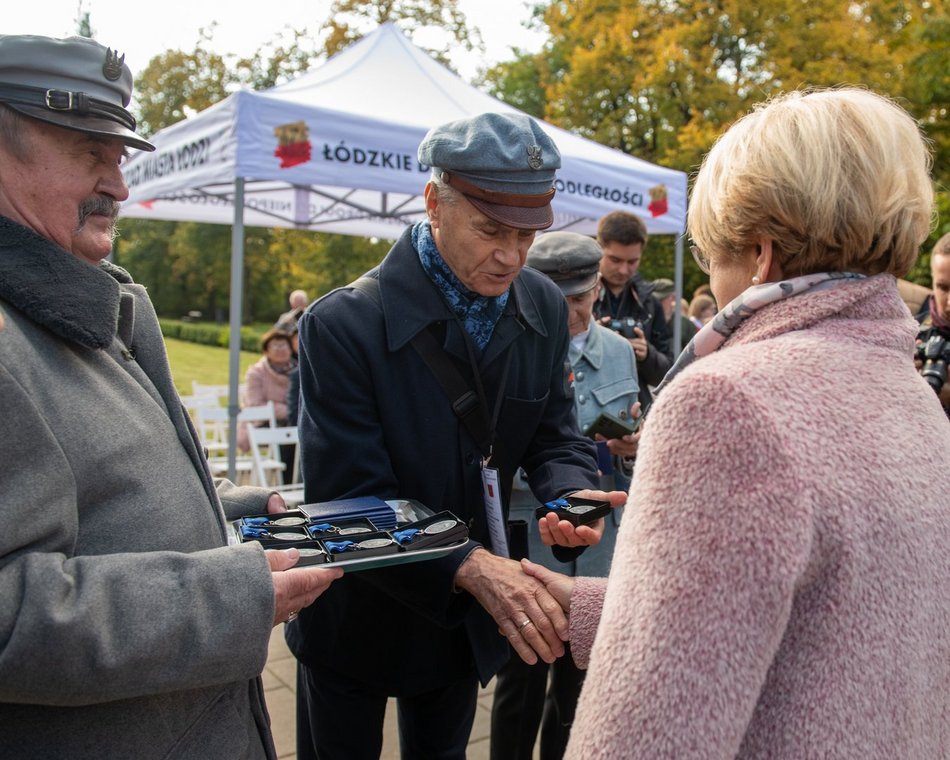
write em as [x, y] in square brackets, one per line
[435, 377]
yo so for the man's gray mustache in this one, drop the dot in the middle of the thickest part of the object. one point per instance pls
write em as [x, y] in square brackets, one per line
[98, 205]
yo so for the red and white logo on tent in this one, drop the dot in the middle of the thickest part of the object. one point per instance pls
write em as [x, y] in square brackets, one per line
[658, 203]
[293, 144]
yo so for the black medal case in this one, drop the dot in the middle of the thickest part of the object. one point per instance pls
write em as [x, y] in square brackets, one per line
[576, 510]
[353, 541]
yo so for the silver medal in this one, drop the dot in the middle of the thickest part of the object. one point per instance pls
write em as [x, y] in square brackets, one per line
[580, 509]
[355, 529]
[309, 552]
[288, 536]
[290, 521]
[439, 527]
[374, 543]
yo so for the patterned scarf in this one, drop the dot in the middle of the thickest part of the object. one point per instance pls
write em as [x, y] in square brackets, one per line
[718, 330]
[478, 314]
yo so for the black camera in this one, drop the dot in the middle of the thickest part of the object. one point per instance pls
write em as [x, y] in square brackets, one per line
[625, 326]
[934, 352]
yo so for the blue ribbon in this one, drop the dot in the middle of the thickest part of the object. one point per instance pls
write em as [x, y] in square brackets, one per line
[405, 536]
[256, 520]
[557, 504]
[321, 528]
[248, 531]
[337, 547]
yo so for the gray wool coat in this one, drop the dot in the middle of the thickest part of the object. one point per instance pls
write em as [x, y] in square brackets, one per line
[128, 627]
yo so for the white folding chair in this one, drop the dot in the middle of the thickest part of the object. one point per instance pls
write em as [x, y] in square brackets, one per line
[265, 447]
[194, 402]
[213, 421]
[204, 389]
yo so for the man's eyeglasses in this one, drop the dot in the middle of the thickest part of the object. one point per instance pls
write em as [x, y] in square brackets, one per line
[701, 259]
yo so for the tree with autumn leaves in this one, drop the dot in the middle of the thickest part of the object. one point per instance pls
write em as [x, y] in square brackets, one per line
[661, 80]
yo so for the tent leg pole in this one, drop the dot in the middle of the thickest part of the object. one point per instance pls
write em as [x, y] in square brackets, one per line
[234, 337]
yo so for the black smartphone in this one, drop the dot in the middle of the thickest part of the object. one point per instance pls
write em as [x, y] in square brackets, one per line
[610, 426]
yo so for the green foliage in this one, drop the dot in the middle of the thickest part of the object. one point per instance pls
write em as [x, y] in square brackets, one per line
[212, 334]
[350, 19]
[187, 266]
[661, 80]
[516, 83]
[176, 85]
[83, 23]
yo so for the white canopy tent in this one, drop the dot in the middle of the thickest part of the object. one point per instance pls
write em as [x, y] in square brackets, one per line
[335, 151]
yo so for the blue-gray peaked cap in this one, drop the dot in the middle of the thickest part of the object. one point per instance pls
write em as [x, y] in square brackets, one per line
[74, 83]
[503, 163]
[570, 259]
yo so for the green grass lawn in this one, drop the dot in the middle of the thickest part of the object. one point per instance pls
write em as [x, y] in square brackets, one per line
[206, 364]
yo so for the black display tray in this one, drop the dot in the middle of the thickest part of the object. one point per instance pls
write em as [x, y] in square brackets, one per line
[433, 536]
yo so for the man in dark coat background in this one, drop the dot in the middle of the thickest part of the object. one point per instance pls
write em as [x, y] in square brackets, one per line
[376, 421]
[628, 297]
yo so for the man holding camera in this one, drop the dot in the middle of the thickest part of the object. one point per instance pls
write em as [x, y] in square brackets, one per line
[933, 347]
[627, 304]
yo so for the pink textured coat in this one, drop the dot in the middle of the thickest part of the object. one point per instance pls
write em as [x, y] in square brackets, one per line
[263, 385]
[781, 582]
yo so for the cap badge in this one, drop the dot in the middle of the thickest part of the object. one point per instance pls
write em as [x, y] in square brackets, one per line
[112, 68]
[534, 157]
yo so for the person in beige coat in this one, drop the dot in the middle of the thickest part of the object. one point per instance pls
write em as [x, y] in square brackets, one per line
[780, 582]
[128, 627]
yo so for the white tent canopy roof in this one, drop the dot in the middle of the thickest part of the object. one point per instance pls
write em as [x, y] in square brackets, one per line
[335, 150]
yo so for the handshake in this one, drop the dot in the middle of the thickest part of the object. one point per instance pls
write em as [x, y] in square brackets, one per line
[530, 603]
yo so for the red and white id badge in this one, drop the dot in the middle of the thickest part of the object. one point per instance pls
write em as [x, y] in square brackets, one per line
[493, 511]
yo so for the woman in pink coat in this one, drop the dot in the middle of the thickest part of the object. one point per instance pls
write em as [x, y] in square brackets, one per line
[781, 581]
[268, 379]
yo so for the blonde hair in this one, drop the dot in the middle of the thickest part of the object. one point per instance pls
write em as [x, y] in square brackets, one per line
[838, 179]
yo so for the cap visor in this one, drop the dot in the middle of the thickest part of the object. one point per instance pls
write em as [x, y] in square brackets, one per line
[519, 217]
[89, 125]
[578, 285]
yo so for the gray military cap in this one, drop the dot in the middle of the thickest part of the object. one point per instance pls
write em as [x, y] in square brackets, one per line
[662, 288]
[570, 259]
[503, 163]
[74, 83]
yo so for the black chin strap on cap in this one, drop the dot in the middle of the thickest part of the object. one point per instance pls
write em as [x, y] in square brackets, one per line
[66, 101]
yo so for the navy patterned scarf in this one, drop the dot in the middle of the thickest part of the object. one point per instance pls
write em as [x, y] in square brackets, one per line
[478, 314]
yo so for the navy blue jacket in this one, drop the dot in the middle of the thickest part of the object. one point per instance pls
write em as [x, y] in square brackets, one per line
[637, 300]
[375, 421]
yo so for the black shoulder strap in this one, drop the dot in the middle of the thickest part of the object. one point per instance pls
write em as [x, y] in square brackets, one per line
[369, 286]
[464, 400]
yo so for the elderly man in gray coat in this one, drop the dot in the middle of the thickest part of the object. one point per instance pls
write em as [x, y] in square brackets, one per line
[128, 627]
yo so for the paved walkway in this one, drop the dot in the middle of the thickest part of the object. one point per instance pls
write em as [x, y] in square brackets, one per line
[280, 677]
